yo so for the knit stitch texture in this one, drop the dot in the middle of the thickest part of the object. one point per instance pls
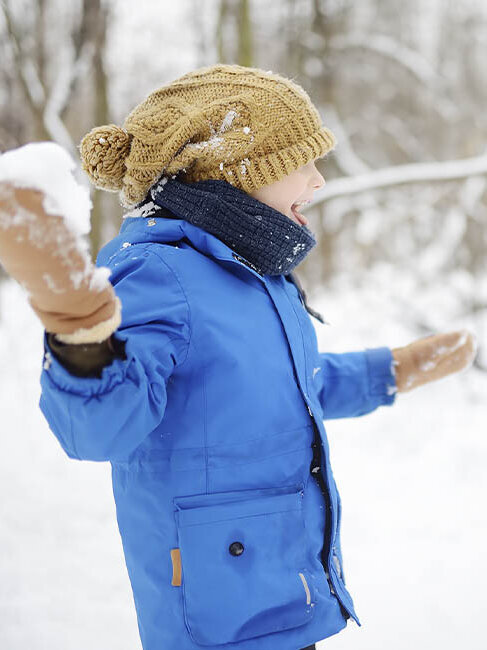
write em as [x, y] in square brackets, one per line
[242, 125]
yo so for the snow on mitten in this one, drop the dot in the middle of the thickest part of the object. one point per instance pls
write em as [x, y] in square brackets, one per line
[44, 214]
[433, 357]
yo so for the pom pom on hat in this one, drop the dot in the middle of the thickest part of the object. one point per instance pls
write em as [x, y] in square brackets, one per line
[103, 152]
[226, 122]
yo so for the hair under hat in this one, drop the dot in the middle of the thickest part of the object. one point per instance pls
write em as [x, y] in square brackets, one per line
[243, 125]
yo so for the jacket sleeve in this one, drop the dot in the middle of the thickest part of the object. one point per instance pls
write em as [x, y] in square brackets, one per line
[107, 417]
[355, 383]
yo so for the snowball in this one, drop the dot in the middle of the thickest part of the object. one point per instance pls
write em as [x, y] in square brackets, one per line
[47, 167]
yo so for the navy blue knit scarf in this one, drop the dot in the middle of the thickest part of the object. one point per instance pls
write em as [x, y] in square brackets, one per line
[270, 241]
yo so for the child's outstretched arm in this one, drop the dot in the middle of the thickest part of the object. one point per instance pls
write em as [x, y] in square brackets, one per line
[355, 383]
[350, 384]
[108, 417]
[40, 246]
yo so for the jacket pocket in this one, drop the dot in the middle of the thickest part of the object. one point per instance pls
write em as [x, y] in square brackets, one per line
[243, 564]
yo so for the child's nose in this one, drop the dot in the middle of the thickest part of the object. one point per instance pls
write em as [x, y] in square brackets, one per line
[318, 181]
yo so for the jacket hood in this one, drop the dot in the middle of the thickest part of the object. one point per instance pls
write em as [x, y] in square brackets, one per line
[165, 229]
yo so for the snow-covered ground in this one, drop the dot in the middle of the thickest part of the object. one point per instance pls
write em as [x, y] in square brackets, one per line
[412, 478]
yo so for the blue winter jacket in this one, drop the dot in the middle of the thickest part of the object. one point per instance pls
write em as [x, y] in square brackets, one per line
[213, 425]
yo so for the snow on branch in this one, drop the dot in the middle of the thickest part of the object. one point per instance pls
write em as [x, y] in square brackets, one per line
[389, 47]
[406, 58]
[401, 175]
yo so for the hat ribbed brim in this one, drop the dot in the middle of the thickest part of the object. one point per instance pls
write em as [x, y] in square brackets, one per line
[265, 170]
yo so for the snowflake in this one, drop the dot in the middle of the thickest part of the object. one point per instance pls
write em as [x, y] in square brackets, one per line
[297, 248]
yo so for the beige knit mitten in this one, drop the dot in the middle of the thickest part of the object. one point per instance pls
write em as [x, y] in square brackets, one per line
[433, 357]
[72, 297]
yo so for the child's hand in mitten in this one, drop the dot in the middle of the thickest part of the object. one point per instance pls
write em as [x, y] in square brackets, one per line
[43, 212]
[433, 357]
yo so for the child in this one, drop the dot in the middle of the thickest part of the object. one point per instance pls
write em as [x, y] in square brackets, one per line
[195, 371]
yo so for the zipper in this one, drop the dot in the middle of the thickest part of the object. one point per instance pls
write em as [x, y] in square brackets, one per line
[248, 264]
[315, 469]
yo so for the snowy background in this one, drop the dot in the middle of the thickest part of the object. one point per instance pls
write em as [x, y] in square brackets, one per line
[402, 238]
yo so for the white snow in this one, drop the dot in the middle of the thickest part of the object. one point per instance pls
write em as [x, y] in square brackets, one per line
[145, 210]
[216, 141]
[47, 167]
[391, 48]
[99, 278]
[401, 174]
[49, 280]
[244, 164]
[227, 120]
[64, 583]
[213, 142]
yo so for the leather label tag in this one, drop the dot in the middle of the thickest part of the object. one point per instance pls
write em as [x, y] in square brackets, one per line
[176, 567]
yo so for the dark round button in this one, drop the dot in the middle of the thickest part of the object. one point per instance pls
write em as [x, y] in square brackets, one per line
[236, 548]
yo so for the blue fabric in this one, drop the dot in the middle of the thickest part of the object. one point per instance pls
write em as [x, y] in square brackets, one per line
[208, 424]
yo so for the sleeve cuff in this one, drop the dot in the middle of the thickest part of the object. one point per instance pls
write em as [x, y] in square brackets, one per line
[56, 373]
[382, 380]
[84, 359]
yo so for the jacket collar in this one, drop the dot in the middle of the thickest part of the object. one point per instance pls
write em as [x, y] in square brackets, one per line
[163, 229]
[141, 229]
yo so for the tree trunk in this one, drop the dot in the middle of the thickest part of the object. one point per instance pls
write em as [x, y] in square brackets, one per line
[101, 113]
[244, 32]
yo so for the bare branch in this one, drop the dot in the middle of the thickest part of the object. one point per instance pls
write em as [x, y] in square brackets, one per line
[83, 39]
[404, 57]
[27, 74]
[392, 49]
[401, 175]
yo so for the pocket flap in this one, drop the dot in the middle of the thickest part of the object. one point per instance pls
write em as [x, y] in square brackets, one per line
[233, 507]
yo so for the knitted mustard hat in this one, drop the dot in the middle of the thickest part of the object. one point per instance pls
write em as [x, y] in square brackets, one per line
[242, 125]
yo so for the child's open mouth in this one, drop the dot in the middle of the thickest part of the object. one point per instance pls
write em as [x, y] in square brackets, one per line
[301, 219]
